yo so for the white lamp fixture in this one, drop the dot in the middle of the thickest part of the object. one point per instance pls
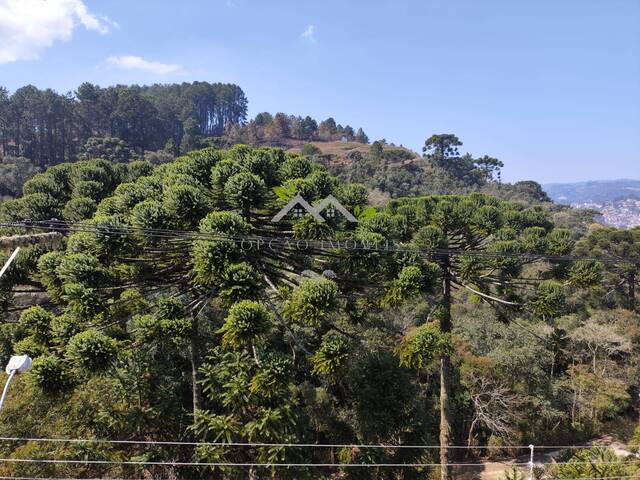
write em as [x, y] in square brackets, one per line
[17, 364]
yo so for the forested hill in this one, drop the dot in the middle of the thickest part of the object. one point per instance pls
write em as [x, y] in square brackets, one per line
[48, 127]
[40, 128]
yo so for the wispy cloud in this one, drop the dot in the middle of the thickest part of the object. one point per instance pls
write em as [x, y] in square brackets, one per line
[27, 27]
[133, 62]
[309, 34]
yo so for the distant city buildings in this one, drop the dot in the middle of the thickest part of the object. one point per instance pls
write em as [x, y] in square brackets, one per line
[624, 213]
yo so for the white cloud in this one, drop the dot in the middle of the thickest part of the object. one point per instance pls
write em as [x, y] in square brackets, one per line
[29, 26]
[309, 34]
[132, 62]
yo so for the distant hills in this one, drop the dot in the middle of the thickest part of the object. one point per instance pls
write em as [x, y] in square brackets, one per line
[595, 192]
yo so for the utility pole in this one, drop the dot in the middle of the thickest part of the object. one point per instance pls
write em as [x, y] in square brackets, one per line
[531, 463]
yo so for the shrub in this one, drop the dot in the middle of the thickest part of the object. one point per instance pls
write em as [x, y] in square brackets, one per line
[92, 350]
[50, 374]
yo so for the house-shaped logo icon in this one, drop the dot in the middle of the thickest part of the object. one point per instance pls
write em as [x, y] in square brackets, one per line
[330, 206]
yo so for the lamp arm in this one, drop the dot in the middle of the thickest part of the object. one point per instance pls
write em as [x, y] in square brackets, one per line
[6, 387]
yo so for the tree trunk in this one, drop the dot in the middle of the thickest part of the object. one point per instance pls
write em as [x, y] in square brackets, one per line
[632, 291]
[446, 390]
[194, 358]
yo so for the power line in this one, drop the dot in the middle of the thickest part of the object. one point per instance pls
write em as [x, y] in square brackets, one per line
[277, 465]
[240, 464]
[78, 478]
[265, 242]
[619, 477]
[286, 445]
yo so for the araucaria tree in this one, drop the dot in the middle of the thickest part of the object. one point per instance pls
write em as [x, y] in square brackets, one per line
[162, 321]
[467, 244]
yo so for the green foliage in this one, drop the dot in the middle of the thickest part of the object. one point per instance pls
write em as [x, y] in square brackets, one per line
[424, 344]
[265, 163]
[311, 229]
[39, 206]
[14, 172]
[412, 281]
[220, 173]
[244, 191]
[50, 374]
[151, 214]
[309, 150]
[113, 122]
[47, 268]
[187, 204]
[585, 273]
[514, 473]
[80, 268]
[549, 300]
[595, 462]
[79, 208]
[107, 148]
[332, 355]
[92, 351]
[63, 327]
[43, 184]
[211, 258]
[36, 322]
[322, 183]
[156, 328]
[137, 169]
[189, 331]
[353, 195]
[246, 322]
[30, 346]
[634, 443]
[240, 281]
[299, 186]
[623, 279]
[312, 302]
[295, 167]
[272, 376]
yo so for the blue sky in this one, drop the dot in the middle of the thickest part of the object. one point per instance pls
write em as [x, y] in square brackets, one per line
[552, 88]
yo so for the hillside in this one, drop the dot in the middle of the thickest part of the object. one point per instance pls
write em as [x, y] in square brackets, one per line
[160, 122]
[392, 171]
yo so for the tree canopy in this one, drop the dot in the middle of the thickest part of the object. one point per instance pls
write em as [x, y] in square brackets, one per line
[170, 315]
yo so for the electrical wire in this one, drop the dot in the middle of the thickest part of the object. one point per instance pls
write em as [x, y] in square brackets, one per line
[288, 445]
[301, 244]
[616, 477]
[239, 464]
[278, 465]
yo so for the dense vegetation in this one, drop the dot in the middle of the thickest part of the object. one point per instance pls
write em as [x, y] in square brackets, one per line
[398, 172]
[40, 128]
[280, 129]
[49, 128]
[205, 339]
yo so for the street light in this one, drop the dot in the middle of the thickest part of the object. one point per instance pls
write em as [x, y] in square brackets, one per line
[17, 364]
